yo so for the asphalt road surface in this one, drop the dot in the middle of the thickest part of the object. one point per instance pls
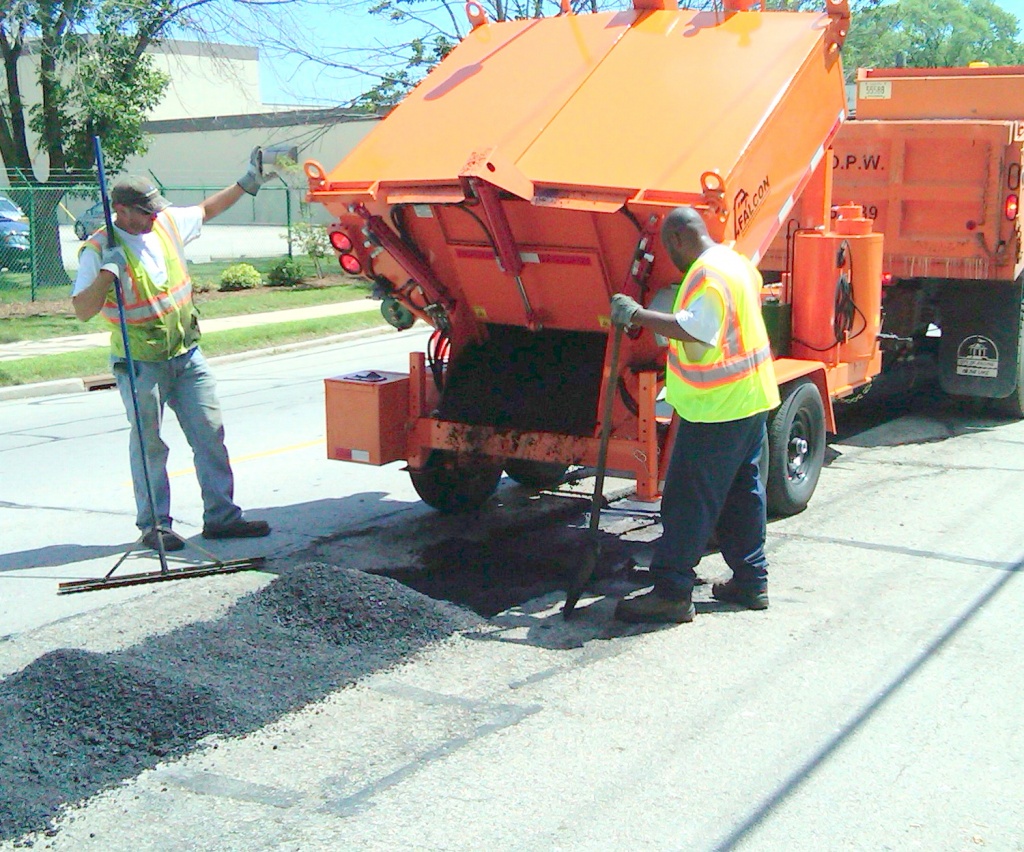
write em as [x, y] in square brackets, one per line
[873, 706]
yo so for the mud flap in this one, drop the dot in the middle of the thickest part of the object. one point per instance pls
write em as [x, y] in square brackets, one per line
[980, 350]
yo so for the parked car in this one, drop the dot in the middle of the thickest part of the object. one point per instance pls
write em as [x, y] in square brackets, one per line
[15, 250]
[90, 221]
[10, 210]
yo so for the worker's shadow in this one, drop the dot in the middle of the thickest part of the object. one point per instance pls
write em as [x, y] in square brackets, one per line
[58, 555]
[541, 622]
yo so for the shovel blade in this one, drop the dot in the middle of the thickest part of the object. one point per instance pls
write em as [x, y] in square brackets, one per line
[587, 566]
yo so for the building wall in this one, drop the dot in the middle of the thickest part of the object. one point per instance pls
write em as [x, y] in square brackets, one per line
[192, 159]
[207, 80]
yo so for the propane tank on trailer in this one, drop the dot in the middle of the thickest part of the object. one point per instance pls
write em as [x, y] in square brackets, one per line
[865, 264]
[837, 293]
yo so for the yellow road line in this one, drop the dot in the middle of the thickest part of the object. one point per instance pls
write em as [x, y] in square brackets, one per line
[249, 457]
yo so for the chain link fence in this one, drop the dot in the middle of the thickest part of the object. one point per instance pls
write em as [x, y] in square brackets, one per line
[42, 230]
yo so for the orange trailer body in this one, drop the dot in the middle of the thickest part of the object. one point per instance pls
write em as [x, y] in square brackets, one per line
[523, 182]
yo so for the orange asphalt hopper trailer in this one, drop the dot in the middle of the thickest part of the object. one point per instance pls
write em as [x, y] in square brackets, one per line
[523, 182]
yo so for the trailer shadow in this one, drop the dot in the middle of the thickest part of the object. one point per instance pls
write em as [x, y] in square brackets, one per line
[921, 415]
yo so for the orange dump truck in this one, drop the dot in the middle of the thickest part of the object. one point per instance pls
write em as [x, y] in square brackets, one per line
[524, 181]
[934, 157]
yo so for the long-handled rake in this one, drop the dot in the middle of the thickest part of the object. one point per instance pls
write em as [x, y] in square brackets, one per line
[214, 565]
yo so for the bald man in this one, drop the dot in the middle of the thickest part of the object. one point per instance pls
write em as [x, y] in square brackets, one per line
[720, 381]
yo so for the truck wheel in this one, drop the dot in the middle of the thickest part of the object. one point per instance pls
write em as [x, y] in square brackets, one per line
[535, 474]
[1013, 405]
[450, 483]
[796, 448]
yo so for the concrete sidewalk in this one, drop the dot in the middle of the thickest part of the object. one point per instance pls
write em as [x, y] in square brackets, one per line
[79, 342]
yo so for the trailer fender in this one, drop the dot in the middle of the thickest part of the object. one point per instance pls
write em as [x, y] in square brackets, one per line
[788, 370]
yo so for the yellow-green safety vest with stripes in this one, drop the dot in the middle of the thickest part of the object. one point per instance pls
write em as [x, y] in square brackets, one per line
[734, 378]
[161, 321]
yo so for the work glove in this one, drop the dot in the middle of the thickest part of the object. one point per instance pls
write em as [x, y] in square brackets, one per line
[114, 261]
[623, 310]
[255, 177]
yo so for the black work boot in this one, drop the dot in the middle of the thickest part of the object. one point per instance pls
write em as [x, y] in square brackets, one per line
[732, 592]
[652, 607]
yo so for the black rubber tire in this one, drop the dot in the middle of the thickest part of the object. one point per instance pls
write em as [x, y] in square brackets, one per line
[451, 484]
[1013, 405]
[80, 231]
[535, 474]
[796, 448]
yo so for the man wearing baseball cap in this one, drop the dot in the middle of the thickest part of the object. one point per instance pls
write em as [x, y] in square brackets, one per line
[148, 258]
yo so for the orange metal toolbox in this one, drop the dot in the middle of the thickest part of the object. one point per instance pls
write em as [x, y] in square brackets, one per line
[366, 416]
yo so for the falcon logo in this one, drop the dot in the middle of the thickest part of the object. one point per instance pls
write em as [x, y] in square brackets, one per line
[746, 204]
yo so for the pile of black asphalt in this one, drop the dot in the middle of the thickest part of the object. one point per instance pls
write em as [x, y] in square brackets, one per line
[75, 722]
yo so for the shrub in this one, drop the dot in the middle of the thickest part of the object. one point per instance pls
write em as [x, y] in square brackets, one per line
[312, 239]
[287, 272]
[240, 276]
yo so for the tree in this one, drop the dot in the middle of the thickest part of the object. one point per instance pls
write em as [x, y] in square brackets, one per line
[923, 32]
[87, 74]
[932, 33]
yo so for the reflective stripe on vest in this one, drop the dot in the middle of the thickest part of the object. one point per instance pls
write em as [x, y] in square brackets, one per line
[735, 378]
[161, 323]
[735, 362]
[143, 302]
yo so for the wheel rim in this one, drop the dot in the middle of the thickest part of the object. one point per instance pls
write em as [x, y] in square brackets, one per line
[799, 448]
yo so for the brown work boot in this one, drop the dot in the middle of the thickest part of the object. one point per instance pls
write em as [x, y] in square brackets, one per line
[170, 540]
[652, 607]
[732, 592]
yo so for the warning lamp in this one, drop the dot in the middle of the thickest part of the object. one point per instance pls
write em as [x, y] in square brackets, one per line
[886, 279]
[350, 263]
[341, 241]
[1010, 206]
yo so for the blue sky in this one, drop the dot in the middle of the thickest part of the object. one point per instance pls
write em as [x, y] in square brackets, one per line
[285, 80]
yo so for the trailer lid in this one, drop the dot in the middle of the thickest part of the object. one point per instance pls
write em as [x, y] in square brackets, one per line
[594, 111]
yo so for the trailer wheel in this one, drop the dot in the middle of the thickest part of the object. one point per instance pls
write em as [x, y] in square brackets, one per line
[535, 474]
[796, 448]
[451, 483]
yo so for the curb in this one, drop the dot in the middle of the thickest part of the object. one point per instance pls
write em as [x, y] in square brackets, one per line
[59, 386]
[66, 386]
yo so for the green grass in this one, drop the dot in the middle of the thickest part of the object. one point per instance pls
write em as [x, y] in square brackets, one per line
[59, 321]
[95, 362]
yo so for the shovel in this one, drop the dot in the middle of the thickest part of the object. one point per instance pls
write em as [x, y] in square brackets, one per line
[589, 559]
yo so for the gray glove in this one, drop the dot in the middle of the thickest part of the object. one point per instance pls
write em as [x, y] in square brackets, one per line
[255, 177]
[623, 310]
[114, 261]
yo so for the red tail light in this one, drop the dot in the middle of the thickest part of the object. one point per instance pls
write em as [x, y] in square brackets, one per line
[341, 241]
[350, 263]
[886, 279]
[1010, 206]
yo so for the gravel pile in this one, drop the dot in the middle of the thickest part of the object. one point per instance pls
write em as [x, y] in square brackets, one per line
[75, 722]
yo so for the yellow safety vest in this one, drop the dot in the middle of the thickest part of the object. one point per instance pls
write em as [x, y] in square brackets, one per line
[161, 321]
[734, 378]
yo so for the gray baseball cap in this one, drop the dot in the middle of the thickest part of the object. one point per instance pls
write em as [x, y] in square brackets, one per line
[140, 192]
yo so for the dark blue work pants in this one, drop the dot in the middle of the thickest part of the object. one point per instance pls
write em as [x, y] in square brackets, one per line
[713, 484]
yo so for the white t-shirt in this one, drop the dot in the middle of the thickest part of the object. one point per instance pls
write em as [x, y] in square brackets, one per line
[702, 320]
[146, 246]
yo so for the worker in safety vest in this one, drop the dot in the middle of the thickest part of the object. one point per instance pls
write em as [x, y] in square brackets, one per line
[148, 257]
[721, 382]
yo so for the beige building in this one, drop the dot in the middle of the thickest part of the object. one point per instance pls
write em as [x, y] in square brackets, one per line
[200, 135]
